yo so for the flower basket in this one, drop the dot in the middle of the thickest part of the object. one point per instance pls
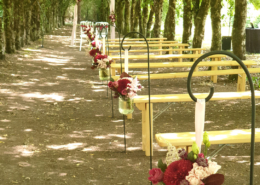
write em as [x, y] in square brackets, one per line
[126, 106]
[104, 74]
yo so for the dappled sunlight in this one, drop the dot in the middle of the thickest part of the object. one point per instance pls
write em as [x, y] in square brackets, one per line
[70, 146]
[5, 120]
[28, 130]
[53, 96]
[99, 90]
[77, 69]
[22, 151]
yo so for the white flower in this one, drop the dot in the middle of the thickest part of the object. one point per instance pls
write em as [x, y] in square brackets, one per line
[213, 167]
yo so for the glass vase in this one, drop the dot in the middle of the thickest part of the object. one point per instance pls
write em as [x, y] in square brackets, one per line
[104, 74]
[126, 106]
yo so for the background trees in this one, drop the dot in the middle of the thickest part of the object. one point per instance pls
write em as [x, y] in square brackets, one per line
[23, 21]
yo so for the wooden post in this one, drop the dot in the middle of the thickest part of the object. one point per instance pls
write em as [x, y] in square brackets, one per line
[113, 70]
[147, 130]
[241, 82]
[214, 79]
[112, 28]
[160, 47]
[141, 107]
[74, 29]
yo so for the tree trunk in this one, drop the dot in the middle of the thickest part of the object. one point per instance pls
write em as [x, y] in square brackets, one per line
[2, 56]
[140, 16]
[199, 21]
[187, 21]
[28, 14]
[22, 31]
[120, 14]
[150, 21]
[79, 12]
[127, 16]
[238, 32]
[216, 25]
[158, 5]
[17, 19]
[137, 15]
[145, 18]
[133, 15]
[169, 26]
[7, 7]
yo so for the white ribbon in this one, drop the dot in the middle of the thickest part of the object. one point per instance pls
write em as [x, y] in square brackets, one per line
[200, 108]
[126, 60]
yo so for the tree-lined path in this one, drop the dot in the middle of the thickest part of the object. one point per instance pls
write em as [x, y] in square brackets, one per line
[56, 125]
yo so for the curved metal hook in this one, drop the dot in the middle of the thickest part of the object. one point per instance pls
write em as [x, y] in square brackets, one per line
[252, 100]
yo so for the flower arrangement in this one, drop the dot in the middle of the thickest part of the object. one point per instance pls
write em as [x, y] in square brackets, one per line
[94, 52]
[188, 168]
[112, 17]
[125, 87]
[101, 62]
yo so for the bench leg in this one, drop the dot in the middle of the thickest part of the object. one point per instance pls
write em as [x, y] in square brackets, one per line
[214, 79]
[147, 130]
[113, 70]
[129, 116]
[143, 129]
[160, 47]
[241, 82]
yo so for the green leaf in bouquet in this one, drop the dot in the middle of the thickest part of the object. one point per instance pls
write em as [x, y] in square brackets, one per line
[195, 148]
[191, 156]
[214, 179]
[112, 79]
[162, 165]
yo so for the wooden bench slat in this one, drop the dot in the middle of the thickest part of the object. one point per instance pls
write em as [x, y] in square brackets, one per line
[176, 56]
[195, 74]
[154, 50]
[143, 42]
[186, 98]
[183, 64]
[150, 45]
[179, 139]
[116, 39]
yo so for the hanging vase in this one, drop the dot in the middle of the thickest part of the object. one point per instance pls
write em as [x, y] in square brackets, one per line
[126, 106]
[104, 74]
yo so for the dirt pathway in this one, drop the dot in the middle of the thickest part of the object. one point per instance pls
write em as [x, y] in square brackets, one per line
[56, 126]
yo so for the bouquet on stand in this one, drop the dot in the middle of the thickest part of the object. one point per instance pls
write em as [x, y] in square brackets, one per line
[183, 168]
[125, 89]
[102, 62]
[112, 17]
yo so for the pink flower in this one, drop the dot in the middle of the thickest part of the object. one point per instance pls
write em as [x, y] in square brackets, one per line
[124, 92]
[201, 155]
[197, 174]
[156, 175]
[213, 167]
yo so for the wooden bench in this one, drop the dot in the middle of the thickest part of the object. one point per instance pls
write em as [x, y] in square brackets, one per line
[241, 83]
[213, 64]
[194, 50]
[137, 39]
[143, 42]
[185, 139]
[142, 103]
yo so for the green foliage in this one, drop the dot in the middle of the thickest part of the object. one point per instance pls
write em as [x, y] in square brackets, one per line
[256, 81]
[162, 165]
[256, 3]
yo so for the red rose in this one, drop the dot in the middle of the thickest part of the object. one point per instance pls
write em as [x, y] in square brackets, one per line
[94, 52]
[122, 84]
[156, 175]
[93, 44]
[176, 172]
[99, 57]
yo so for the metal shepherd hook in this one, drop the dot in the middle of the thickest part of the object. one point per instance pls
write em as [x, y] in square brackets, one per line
[212, 92]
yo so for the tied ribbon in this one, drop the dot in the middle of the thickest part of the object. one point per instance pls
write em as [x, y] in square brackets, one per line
[200, 109]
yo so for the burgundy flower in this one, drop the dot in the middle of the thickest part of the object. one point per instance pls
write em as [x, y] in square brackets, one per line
[183, 154]
[124, 74]
[124, 92]
[176, 172]
[94, 52]
[156, 175]
[99, 56]
[93, 44]
[122, 84]
[201, 155]
[202, 162]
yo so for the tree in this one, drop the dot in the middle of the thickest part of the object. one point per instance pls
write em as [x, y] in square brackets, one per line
[17, 19]
[150, 20]
[158, 4]
[120, 15]
[187, 21]
[169, 26]
[133, 15]
[137, 15]
[145, 15]
[7, 6]
[127, 16]
[201, 9]
[28, 14]
[216, 24]
[238, 32]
